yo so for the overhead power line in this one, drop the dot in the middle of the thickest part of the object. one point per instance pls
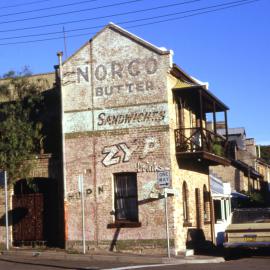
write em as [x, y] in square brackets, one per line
[47, 8]
[103, 17]
[95, 18]
[71, 12]
[24, 4]
[135, 20]
[194, 14]
[243, 2]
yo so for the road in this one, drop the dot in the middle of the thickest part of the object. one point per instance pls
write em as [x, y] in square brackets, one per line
[35, 263]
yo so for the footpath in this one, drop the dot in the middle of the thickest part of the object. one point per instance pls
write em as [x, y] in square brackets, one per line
[112, 257]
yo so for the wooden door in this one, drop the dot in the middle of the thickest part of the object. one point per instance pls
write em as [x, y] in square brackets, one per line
[28, 218]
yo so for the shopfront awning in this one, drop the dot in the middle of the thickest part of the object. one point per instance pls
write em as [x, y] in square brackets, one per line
[238, 195]
[216, 185]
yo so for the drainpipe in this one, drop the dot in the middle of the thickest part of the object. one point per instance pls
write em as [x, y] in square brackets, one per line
[60, 55]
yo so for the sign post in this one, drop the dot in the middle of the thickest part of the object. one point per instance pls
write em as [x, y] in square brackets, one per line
[163, 178]
[81, 189]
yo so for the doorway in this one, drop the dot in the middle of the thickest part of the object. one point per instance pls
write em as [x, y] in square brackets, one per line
[36, 213]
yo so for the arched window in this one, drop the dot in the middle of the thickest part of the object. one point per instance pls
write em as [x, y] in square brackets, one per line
[206, 204]
[185, 202]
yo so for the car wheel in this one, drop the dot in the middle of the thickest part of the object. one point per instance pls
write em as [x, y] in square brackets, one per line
[228, 254]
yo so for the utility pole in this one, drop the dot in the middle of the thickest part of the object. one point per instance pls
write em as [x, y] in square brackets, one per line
[6, 209]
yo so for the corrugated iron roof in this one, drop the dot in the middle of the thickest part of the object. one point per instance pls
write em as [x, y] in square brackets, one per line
[233, 131]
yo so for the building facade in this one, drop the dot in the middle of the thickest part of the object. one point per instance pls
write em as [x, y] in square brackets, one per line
[127, 111]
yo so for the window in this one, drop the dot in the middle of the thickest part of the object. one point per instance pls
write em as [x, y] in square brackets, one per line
[217, 210]
[185, 202]
[126, 198]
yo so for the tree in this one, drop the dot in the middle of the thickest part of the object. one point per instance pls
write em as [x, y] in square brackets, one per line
[255, 199]
[20, 130]
[265, 152]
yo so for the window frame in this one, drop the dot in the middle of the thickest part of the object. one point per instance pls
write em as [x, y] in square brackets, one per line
[126, 177]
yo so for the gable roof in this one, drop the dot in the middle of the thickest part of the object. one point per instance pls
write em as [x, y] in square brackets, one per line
[132, 37]
[126, 34]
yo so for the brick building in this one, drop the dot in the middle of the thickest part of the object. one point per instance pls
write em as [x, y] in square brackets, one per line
[35, 212]
[242, 174]
[127, 113]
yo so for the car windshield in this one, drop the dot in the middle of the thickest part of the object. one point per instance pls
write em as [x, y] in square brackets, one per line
[251, 216]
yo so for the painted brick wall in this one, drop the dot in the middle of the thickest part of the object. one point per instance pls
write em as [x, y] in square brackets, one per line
[87, 157]
[120, 117]
[116, 120]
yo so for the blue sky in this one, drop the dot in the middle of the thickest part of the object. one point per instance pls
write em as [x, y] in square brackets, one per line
[228, 48]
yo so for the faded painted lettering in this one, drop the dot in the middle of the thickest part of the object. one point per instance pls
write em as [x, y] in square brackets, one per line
[84, 74]
[127, 152]
[139, 86]
[150, 146]
[114, 153]
[134, 68]
[100, 72]
[129, 118]
[110, 158]
[121, 152]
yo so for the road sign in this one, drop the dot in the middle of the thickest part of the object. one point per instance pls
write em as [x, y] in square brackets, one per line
[172, 191]
[163, 179]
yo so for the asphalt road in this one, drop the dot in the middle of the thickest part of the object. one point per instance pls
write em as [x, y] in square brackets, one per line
[15, 263]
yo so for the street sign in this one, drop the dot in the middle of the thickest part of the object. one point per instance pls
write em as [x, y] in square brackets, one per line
[163, 179]
[172, 191]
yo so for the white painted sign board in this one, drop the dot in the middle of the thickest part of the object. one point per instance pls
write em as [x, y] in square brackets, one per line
[163, 179]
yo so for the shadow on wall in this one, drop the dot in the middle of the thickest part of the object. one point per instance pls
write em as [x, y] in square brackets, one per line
[196, 165]
[14, 216]
[115, 238]
[196, 241]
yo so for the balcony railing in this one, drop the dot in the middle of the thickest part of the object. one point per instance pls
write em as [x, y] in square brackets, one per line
[194, 140]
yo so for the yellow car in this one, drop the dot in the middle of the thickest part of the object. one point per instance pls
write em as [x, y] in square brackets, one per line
[249, 228]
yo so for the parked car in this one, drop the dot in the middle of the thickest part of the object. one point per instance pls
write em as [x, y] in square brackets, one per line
[249, 228]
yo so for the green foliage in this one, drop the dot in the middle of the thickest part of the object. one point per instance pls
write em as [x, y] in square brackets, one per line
[20, 133]
[265, 153]
[255, 199]
[12, 74]
[218, 149]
